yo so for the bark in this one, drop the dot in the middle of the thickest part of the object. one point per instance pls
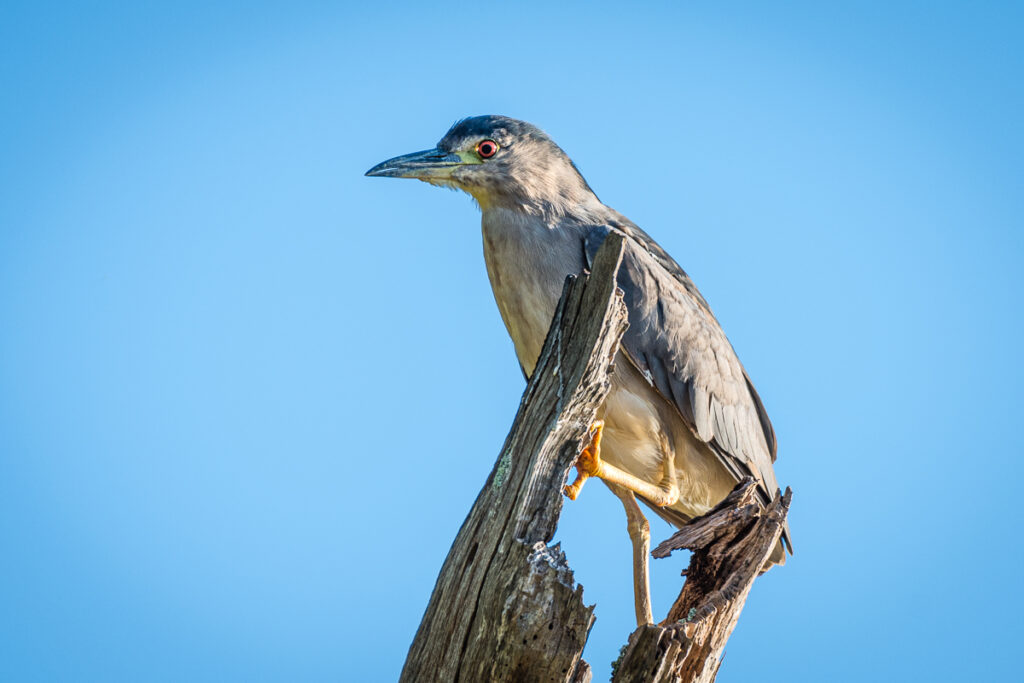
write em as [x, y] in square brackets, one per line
[506, 606]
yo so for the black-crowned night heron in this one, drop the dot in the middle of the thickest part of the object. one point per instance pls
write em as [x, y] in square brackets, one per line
[682, 422]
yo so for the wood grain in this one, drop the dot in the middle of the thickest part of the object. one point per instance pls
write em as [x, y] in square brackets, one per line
[506, 606]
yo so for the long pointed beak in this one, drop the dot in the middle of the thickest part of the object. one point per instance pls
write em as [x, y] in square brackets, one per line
[430, 163]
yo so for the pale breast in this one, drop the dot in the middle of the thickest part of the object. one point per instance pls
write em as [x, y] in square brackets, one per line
[527, 263]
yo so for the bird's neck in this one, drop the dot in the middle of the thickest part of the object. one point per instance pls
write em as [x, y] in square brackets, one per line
[549, 192]
[555, 210]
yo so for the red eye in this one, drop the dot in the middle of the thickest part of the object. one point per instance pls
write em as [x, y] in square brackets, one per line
[487, 149]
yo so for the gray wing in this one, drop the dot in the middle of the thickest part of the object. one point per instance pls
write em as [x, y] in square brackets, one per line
[678, 345]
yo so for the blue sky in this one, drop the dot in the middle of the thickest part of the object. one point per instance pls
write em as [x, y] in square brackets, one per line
[248, 395]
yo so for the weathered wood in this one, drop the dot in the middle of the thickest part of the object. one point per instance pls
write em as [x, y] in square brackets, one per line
[730, 545]
[505, 606]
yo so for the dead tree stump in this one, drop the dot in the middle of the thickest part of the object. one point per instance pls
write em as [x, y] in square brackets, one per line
[730, 545]
[506, 606]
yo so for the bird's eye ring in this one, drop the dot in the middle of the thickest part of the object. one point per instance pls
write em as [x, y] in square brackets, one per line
[487, 149]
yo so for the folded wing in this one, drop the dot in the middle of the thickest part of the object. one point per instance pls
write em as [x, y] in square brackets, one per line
[678, 345]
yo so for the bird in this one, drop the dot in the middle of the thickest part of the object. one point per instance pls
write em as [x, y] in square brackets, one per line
[682, 422]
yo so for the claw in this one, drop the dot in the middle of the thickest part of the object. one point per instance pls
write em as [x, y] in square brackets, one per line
[572, 490]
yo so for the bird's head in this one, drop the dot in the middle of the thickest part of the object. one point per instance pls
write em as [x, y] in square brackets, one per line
[501, 162]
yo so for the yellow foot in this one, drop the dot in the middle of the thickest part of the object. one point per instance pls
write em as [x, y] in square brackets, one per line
[589, 463]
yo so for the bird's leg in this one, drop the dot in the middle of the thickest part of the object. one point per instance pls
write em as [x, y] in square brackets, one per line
[590, 464]
[668, 485]
[584, 463]
[640, 535]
